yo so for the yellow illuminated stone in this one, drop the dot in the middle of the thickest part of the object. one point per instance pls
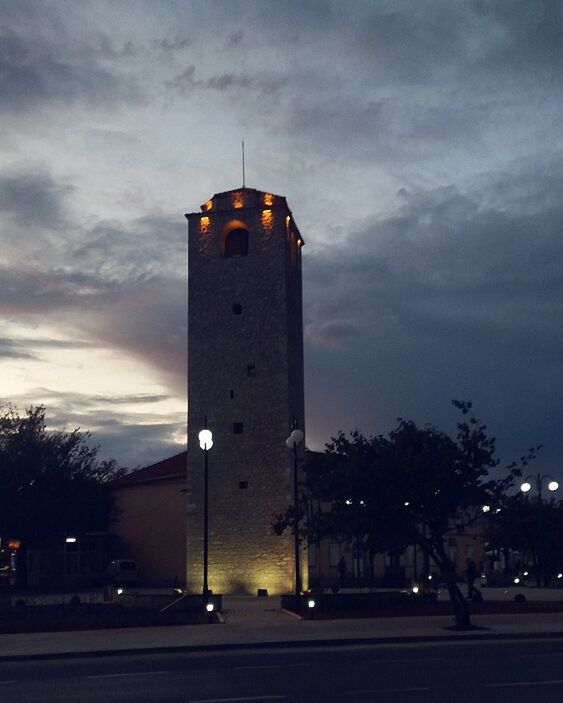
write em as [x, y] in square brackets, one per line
[267, 220]
[268, 199]
[238, 200]
[204, 224]
[208, 205]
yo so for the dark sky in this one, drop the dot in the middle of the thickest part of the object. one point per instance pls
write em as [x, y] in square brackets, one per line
[419, 145]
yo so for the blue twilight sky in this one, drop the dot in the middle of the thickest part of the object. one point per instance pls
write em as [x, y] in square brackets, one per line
[419, 145]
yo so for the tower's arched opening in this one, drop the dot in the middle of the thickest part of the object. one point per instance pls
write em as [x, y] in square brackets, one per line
[236, 243]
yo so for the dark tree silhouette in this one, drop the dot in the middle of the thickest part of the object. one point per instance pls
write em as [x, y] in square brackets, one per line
[533, 527]
[51, 483]
[416, 485]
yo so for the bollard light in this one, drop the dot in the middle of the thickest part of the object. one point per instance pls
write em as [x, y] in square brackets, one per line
[209, 607]
[311, 603]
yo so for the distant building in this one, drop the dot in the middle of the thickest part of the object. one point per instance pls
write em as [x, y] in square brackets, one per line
[245, 379]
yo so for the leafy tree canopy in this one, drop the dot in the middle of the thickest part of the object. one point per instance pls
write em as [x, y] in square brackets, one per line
[50, 482]
[412, 486]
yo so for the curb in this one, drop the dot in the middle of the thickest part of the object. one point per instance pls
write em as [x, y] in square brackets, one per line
[290, 644]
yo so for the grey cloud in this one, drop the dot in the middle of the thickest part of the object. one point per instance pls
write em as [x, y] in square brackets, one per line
[118, 434]
[235, 38]
[174, 45]
[457, 298]
[30, 348]
[12, 349]
[34, 197]
[33, 73]
[186, 81]
[528, 36]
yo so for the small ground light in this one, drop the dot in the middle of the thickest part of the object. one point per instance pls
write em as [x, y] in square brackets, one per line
[516, 580]
[560, 575]
[525, 573]
[430, 577]
[209, 607]
[311, 603]
[552, 485]
[119, 591]
[415, 589]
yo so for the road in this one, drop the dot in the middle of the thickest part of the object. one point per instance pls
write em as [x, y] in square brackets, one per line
[452, 672]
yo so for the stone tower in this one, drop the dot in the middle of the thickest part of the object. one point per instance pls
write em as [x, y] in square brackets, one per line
[245, 375]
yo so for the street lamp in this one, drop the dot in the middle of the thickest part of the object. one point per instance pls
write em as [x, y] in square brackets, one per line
[538, 479]
[205, 443]
[291, 443]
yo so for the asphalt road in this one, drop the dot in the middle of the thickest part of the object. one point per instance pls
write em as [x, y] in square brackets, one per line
[453, 672]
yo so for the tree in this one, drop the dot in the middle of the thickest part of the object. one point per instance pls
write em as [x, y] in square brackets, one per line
[417, 485]
[51, 483]
[534, 528]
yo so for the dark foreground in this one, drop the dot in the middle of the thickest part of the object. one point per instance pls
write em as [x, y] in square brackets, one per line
[501, 672]
[56, 618]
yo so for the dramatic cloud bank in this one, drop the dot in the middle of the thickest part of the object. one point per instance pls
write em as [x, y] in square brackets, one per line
[419, 146]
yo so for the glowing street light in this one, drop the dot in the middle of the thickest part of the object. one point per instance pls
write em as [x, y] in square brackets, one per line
[205, 443]
[291, 443]
[527, 485]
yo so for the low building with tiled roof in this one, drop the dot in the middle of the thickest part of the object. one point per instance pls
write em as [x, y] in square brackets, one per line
[151, 527]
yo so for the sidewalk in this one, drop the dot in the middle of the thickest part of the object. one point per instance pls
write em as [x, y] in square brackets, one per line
[251, 622]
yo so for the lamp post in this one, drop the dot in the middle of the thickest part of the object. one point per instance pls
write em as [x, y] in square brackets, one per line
[205, 443]
[291, 443]
[538, 479]
[526, 487]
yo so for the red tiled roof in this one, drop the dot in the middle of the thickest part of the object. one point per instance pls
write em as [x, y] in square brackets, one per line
[173, 467]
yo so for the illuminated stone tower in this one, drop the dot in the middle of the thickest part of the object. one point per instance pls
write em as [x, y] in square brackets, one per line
[245, 375]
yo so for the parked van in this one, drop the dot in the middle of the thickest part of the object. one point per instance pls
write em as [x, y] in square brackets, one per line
[123, 571]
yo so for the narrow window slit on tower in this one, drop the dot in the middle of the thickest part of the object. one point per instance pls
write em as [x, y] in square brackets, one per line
[237, 309]
[251, 370]
[243, 485]
[232, 393]
[238, 427]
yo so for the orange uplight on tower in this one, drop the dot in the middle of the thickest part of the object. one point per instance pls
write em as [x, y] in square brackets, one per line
[268, 199]
[267, 220]
[238, 200]
[204, 224]
[207, 205]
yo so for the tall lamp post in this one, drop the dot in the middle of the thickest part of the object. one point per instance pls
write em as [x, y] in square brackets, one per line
[538, 480]
[291, 443]
[205, 443]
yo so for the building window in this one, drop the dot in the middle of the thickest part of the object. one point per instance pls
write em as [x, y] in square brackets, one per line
[243, 485]
[238, 427]
[232, 393]
[237, 309]
[251, 370]
[236, 243]
[334, 553]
